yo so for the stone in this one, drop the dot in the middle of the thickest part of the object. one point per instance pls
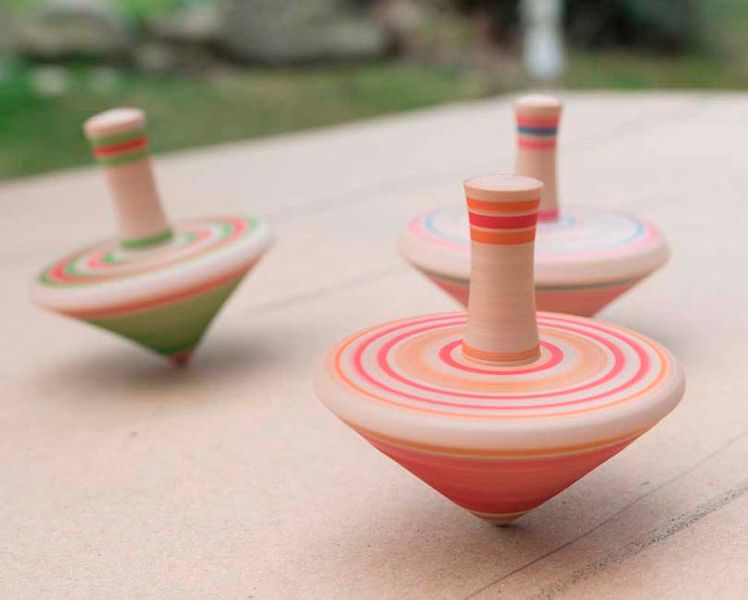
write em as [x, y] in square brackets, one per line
[184, 42]
[197, 24]
[290, 31]
[60, 29]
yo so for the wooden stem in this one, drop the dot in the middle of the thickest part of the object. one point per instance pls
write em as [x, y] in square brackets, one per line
[120, 144]
[501, 325]
[537, 128]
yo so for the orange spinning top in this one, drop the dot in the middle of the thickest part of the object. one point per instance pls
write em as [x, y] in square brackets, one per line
[503, 408]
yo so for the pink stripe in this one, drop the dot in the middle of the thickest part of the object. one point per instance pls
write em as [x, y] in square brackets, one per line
[532, 144]
[447, 352]
[618, 366]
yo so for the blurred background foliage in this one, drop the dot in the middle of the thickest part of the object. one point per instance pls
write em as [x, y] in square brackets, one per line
[210, 71]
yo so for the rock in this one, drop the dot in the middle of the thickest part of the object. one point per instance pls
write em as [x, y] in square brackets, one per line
[426, 30]
[60, 29]
[410, 21]
[196, 24]
[298, 31]
[182, 42]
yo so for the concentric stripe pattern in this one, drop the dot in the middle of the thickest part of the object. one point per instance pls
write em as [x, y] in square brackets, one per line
[584, 367]
[192, 241]
[577, 233]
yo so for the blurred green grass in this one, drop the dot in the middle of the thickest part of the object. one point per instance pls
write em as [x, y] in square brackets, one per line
[40, 133]
[133, 8]
[44, 133]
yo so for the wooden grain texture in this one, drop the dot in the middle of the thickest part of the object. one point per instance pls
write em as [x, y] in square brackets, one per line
[501, 325]
[120, 144]
[122, 478]
[538, 118]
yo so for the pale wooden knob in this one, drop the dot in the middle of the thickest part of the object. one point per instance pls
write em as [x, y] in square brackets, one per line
[120, 144]
[538, 118]
[501, 325]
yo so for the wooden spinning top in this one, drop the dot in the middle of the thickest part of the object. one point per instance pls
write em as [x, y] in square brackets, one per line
[159, 284]
[502, 408]
[584, 258]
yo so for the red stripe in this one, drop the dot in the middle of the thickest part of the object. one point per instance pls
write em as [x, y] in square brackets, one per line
[546, 216]
[525, 122]
[513, 222]
[177, 296]
[536, 144]
[107, 151]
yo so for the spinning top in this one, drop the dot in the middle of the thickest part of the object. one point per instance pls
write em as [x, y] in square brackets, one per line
[159, 284]
[584, 258]
[502, 408]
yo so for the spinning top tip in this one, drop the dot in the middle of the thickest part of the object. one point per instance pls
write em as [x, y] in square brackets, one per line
[182, 359]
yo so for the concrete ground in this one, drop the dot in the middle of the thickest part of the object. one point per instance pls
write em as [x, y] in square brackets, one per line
[121, 477]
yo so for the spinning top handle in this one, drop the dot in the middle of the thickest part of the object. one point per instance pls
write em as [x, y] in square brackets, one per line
[120, 144]
[501, 325]
[537, 128]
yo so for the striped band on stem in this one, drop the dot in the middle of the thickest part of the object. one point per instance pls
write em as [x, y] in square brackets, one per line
[503, 223]
[537, 133]
[120, 149]
[503, 213]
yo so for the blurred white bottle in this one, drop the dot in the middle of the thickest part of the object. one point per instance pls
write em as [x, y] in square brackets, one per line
[543, 46]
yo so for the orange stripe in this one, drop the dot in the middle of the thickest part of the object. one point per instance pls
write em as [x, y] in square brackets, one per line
[510, 206]
[536, 144]
[496, 452]
[502, 237]
[501, 356]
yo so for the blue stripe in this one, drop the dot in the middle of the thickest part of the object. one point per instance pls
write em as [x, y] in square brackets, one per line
[549, 131]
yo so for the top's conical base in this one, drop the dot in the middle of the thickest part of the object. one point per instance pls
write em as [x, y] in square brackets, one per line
[497, 489]
[583, 261]
[182, 359]
[582, 300]
[499, 440]
[163, 297]
[173, 328]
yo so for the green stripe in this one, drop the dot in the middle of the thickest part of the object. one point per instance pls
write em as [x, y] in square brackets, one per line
[185, 240]
[148, 241]
[117, 138]
[123, 159]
